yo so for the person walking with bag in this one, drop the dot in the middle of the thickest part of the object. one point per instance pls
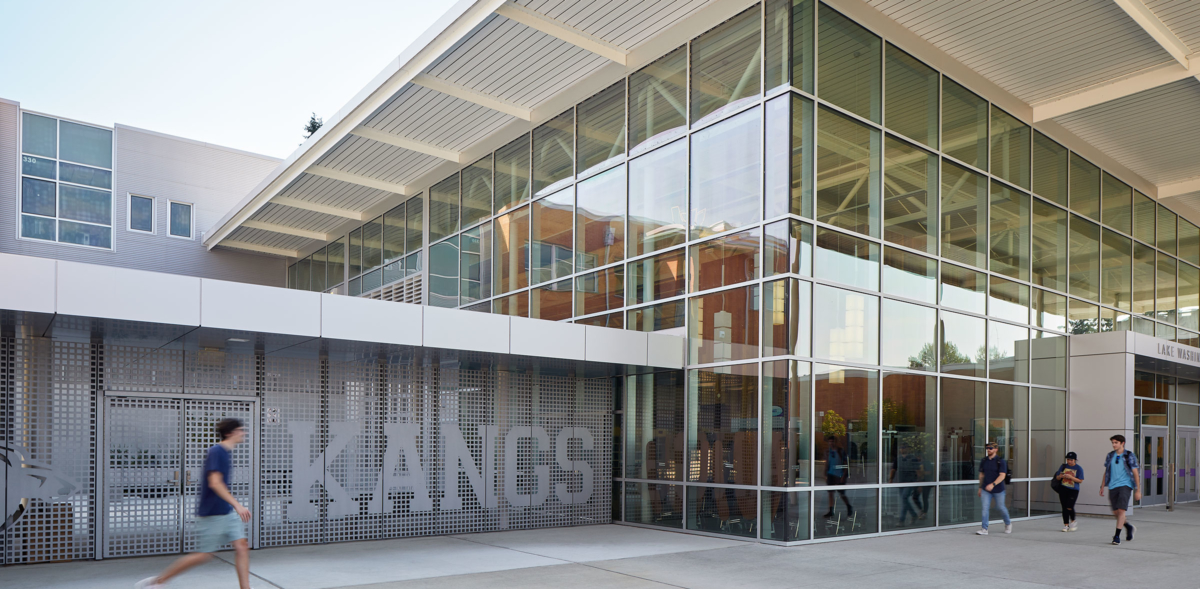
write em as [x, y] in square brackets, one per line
[1066, 484]
[1124, 484]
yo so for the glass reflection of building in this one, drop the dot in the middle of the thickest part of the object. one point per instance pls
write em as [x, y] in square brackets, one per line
[873, 266]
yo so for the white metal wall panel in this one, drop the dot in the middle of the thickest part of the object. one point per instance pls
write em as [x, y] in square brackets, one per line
[164, 168]
[1152, 133]
[1182, 17]
[10, 161]
[1036, 50]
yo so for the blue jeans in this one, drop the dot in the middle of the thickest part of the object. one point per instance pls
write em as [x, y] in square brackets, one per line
[987, 506]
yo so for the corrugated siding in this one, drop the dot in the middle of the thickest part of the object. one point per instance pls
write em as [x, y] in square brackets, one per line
[511, 61]
[380, 161]
[212, 179]
[461, 125]
[1154, 133]
[625, 23]
[1182, 17]
[10, 161]
[1034, 49]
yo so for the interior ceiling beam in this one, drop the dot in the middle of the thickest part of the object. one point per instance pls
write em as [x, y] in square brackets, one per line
[469, 95]
[405, 143]
[318, 208]
[1113, 89]
[1157, 29]
[262, 249]
[333, 174]
[563, 31]
[285, 230]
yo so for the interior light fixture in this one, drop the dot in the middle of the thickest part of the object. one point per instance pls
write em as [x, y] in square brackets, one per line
[237, 340]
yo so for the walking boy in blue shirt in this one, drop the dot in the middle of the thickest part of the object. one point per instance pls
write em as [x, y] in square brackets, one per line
[1121, 478]
[219, 515]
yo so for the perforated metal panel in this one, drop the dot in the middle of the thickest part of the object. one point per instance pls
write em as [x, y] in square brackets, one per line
[413, 444]
[6, 375]
[52, 435]
[142, 370]
[292, 449]
[200, 420]
[216, 372]
[354, 455]
[143, 465]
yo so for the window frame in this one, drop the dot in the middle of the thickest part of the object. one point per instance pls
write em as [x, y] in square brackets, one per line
[129, 214]
[191, 236]
[58, 183]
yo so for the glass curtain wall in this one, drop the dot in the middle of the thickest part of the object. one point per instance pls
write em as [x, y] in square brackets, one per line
[875, 267]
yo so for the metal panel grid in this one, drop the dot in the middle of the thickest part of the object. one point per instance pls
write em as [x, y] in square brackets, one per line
[292, 506]
[6, 456]
[200, 418]
[407, 410]
[52, 427]
[216, 372]
[553, 410]
[464, 457]
[593, 412]
[354, 454]
[142, 470]
[144, 370]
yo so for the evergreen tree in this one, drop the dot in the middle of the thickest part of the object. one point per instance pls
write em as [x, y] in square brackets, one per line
[314, 125]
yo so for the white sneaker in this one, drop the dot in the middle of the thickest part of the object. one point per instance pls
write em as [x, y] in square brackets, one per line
[1074, 526]
[1066, 528]
[149, 583]
[1008, 528]
[981, 532]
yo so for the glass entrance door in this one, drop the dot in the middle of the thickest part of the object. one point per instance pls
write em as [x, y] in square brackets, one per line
[1186, 463]
[1154, 465]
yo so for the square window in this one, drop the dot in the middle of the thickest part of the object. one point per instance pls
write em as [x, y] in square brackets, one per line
[141, 214]
[181, 220]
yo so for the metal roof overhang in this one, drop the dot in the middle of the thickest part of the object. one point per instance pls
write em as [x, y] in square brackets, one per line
[1117, 83]
[486, 72]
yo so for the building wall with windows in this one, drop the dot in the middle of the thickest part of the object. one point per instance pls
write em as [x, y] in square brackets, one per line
[877, 270]
[123, 197]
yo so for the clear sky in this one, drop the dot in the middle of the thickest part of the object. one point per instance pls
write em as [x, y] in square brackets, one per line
[239, 73]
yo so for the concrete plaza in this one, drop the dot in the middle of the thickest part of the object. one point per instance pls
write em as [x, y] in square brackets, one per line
[1166, 553]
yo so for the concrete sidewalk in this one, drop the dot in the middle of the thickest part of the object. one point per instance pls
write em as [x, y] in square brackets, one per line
[1166, 553]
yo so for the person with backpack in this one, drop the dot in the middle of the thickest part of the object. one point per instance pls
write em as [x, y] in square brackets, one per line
[1122, 480]
[993, 470]
[1066, 483]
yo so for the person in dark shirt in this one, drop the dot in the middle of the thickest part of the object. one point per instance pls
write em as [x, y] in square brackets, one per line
[219, 515]
[1071, 475]
[837, 472]
[992, 472]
